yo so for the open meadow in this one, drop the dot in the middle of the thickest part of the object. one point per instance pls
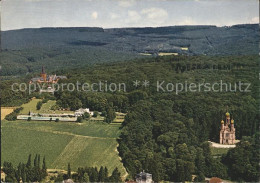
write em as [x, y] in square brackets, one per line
[91, 143]
[30, 106]
[46, 107]
[5, 111]
[80, 144]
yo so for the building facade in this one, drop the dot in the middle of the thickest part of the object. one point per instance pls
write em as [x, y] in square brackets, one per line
[227, 133]
[81, 111]
[144, 178]
[44, 78]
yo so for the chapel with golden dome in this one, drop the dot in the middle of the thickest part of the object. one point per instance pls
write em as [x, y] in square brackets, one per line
[227, 133]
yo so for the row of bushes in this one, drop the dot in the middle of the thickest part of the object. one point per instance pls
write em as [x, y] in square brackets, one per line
[13, 116]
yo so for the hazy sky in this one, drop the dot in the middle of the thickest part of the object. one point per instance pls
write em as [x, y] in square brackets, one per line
[18, 14]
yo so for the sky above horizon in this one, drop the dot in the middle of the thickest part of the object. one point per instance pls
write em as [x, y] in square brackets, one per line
[18, 14]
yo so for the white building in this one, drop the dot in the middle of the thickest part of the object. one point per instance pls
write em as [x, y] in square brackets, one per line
[144, 178]
[81, 111]
[48, 90]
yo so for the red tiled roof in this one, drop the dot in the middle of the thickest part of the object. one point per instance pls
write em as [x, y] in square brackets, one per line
[215, 180]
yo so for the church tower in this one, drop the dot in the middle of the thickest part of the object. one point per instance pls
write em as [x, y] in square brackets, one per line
[43, 74]
[227, 134]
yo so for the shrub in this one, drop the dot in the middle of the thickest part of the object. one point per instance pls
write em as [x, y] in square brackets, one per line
[55, 107]
[110, 116]
[79, 119]
[86, 115]
[104, 113]
[59, 178]
[17, 110]
[45, 100]
[13, 116]
[95, 114]
[39, 105]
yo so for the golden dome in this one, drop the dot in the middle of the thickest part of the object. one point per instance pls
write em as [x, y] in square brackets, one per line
[232, 121]
[227, 114]
[222, 121]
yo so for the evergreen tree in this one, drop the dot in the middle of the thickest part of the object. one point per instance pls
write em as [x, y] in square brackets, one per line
[101, 174]
[93, 173]
[115, 177]
[69, 171]
[24, 177]
[105, 174]
[18, 172]
[10, 172]
[23, 173]
[29, 162]
[44, 167]
[35, 160]
[39, 105]
[39, 161]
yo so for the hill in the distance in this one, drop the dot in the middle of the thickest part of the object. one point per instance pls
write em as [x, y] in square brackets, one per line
[237, 39]
[26, 50]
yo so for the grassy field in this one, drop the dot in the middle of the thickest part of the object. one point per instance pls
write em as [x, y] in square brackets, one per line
[30, 106]
[46, 107]
[5, 111]
[80, 144]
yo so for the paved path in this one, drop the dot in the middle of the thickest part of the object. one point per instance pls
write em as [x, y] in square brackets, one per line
[216, 145]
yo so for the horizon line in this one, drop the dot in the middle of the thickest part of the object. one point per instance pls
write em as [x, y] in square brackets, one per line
[106, 28]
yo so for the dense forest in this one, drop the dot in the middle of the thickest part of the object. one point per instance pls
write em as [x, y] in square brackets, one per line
[25, 51]
[212, 40]
[166, 133]
[30, 61]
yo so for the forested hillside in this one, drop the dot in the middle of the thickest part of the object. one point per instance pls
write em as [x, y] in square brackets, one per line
[25, 51]
[30, 61]
[165, 132]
